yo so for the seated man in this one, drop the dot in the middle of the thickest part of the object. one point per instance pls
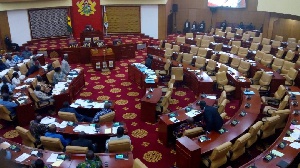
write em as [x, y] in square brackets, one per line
[211, 117]
[91, 161]
[16, 69]
[39, 163]
[26, 53]
[52, 134]
[11, 106]
[18, 58]
[82, 141]
[36, 128]
[4, 81]
[2, 65]
[34, 66]
[10, 62]
[44, 87]
[120, 135]
[65, 67]
[80, 118]
[104, 111]
[41, 95]
[58, 76]
[185, 126]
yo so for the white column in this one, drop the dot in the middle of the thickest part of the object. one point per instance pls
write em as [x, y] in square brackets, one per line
[149, 20]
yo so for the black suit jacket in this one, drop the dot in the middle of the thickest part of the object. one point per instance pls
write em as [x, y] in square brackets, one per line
[83, 143]
[212, 118]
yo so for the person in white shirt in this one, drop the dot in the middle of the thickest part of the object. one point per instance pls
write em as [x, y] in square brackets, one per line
[16, 69]
[41, 95]
[120, 135]
[15, 79]
[65, 67]
[10, 62]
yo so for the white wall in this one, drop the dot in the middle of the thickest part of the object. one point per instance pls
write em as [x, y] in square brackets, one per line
[19, 26]
[283, 6]
[149, 20]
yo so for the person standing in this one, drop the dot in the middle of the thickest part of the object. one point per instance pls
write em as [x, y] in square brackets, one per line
[65, 67]
[211, 117]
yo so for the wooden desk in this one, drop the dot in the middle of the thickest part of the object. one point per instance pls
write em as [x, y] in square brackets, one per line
[233, 131]
[148, 105]
[166, 126]
[75, 159]
[98, 56]
[135, 75]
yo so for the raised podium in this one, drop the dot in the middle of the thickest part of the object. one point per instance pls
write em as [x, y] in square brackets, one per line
[91, 36]
[103, 58]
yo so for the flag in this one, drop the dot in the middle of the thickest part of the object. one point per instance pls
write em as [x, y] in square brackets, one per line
[105, 21]
[69, 27]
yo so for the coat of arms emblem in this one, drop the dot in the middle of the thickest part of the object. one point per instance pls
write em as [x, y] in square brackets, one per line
[86, 7]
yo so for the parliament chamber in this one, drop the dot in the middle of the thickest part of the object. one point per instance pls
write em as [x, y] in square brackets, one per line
[138, 71]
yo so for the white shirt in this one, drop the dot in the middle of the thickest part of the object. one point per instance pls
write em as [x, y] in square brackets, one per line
[15, 81]
[65, 67]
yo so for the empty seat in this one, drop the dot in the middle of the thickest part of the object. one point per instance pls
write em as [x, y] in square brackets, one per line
[193, 132]
[289, 55]
[278, 95]
[228, 29]
[258, 56]
[27, 138]
[224, 58]
[278, 38]
[236, 43]
[256, 40]
[290, 77]
[76, 149]
[194, 50]
[234, 50]
[176, 48]
[268, 128]
[291, 40]
[120, 145]
[292, 46]
[239, 31]
[277, 64]
[246, 37]
[180, 40]
[220, 33]
[276, 44]
[235, 62]
[200, 62]
[211, 67]
[253, 133]
[267, 60]
[218, 156]
[264, 83]
[187, 58]
[266, 49]
[222, 82]
[287, 65]
[168, 45]
[265, 41]
[218, 47]
[202, 52]
[244, 68]
[243, 52]
[279, 53]
[254, 46]
[189, 35]
[205, 43]
[230, 35]
[238, 148]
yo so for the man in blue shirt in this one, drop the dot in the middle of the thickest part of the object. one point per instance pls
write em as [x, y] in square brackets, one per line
[11, 106]
[80, 118]
[102, 112]
[26, 53]
[52, 134]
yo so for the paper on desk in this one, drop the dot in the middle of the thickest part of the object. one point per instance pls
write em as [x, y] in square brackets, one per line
[4, 145]
[22, 157]
[39, 55]
[47, 120]
[29, 80]
[63, 124]
[295, 135]
[114, 130]
[174, 120]
[98, 105]
[86, 129]
[22, 86]
[35, 152]
[295, 145]
[295, 93]
[297, 126]
[52, 157]
[78, 70]
[74, 105]
[57, 163]
[211, 97]
[107, 131]
[277, 153]
[290, 139]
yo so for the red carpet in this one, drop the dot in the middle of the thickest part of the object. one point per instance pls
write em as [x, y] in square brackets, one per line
[115, 85]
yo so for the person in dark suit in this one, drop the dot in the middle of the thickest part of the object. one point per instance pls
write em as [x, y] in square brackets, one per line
[211, 117]
[82, 141]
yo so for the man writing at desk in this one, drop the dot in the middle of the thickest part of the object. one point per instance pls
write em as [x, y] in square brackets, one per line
[104, 111]
[211, 117]
[11, 106]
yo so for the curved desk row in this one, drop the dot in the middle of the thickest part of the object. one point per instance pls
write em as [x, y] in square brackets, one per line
[190, 150]
[74, 160]
[289, 153]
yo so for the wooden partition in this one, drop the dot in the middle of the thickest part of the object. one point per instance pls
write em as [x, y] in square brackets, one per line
[4, 28]
[123, 19]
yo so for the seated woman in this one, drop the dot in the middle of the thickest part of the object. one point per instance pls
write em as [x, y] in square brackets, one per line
[44, 87]
[15, 79]
[58, 76]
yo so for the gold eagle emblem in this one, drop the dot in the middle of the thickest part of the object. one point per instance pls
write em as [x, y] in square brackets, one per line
[86, 7]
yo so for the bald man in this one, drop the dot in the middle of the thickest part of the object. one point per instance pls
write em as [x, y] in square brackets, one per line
[52, 134]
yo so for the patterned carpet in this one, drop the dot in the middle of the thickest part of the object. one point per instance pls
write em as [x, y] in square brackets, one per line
[115, 85]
